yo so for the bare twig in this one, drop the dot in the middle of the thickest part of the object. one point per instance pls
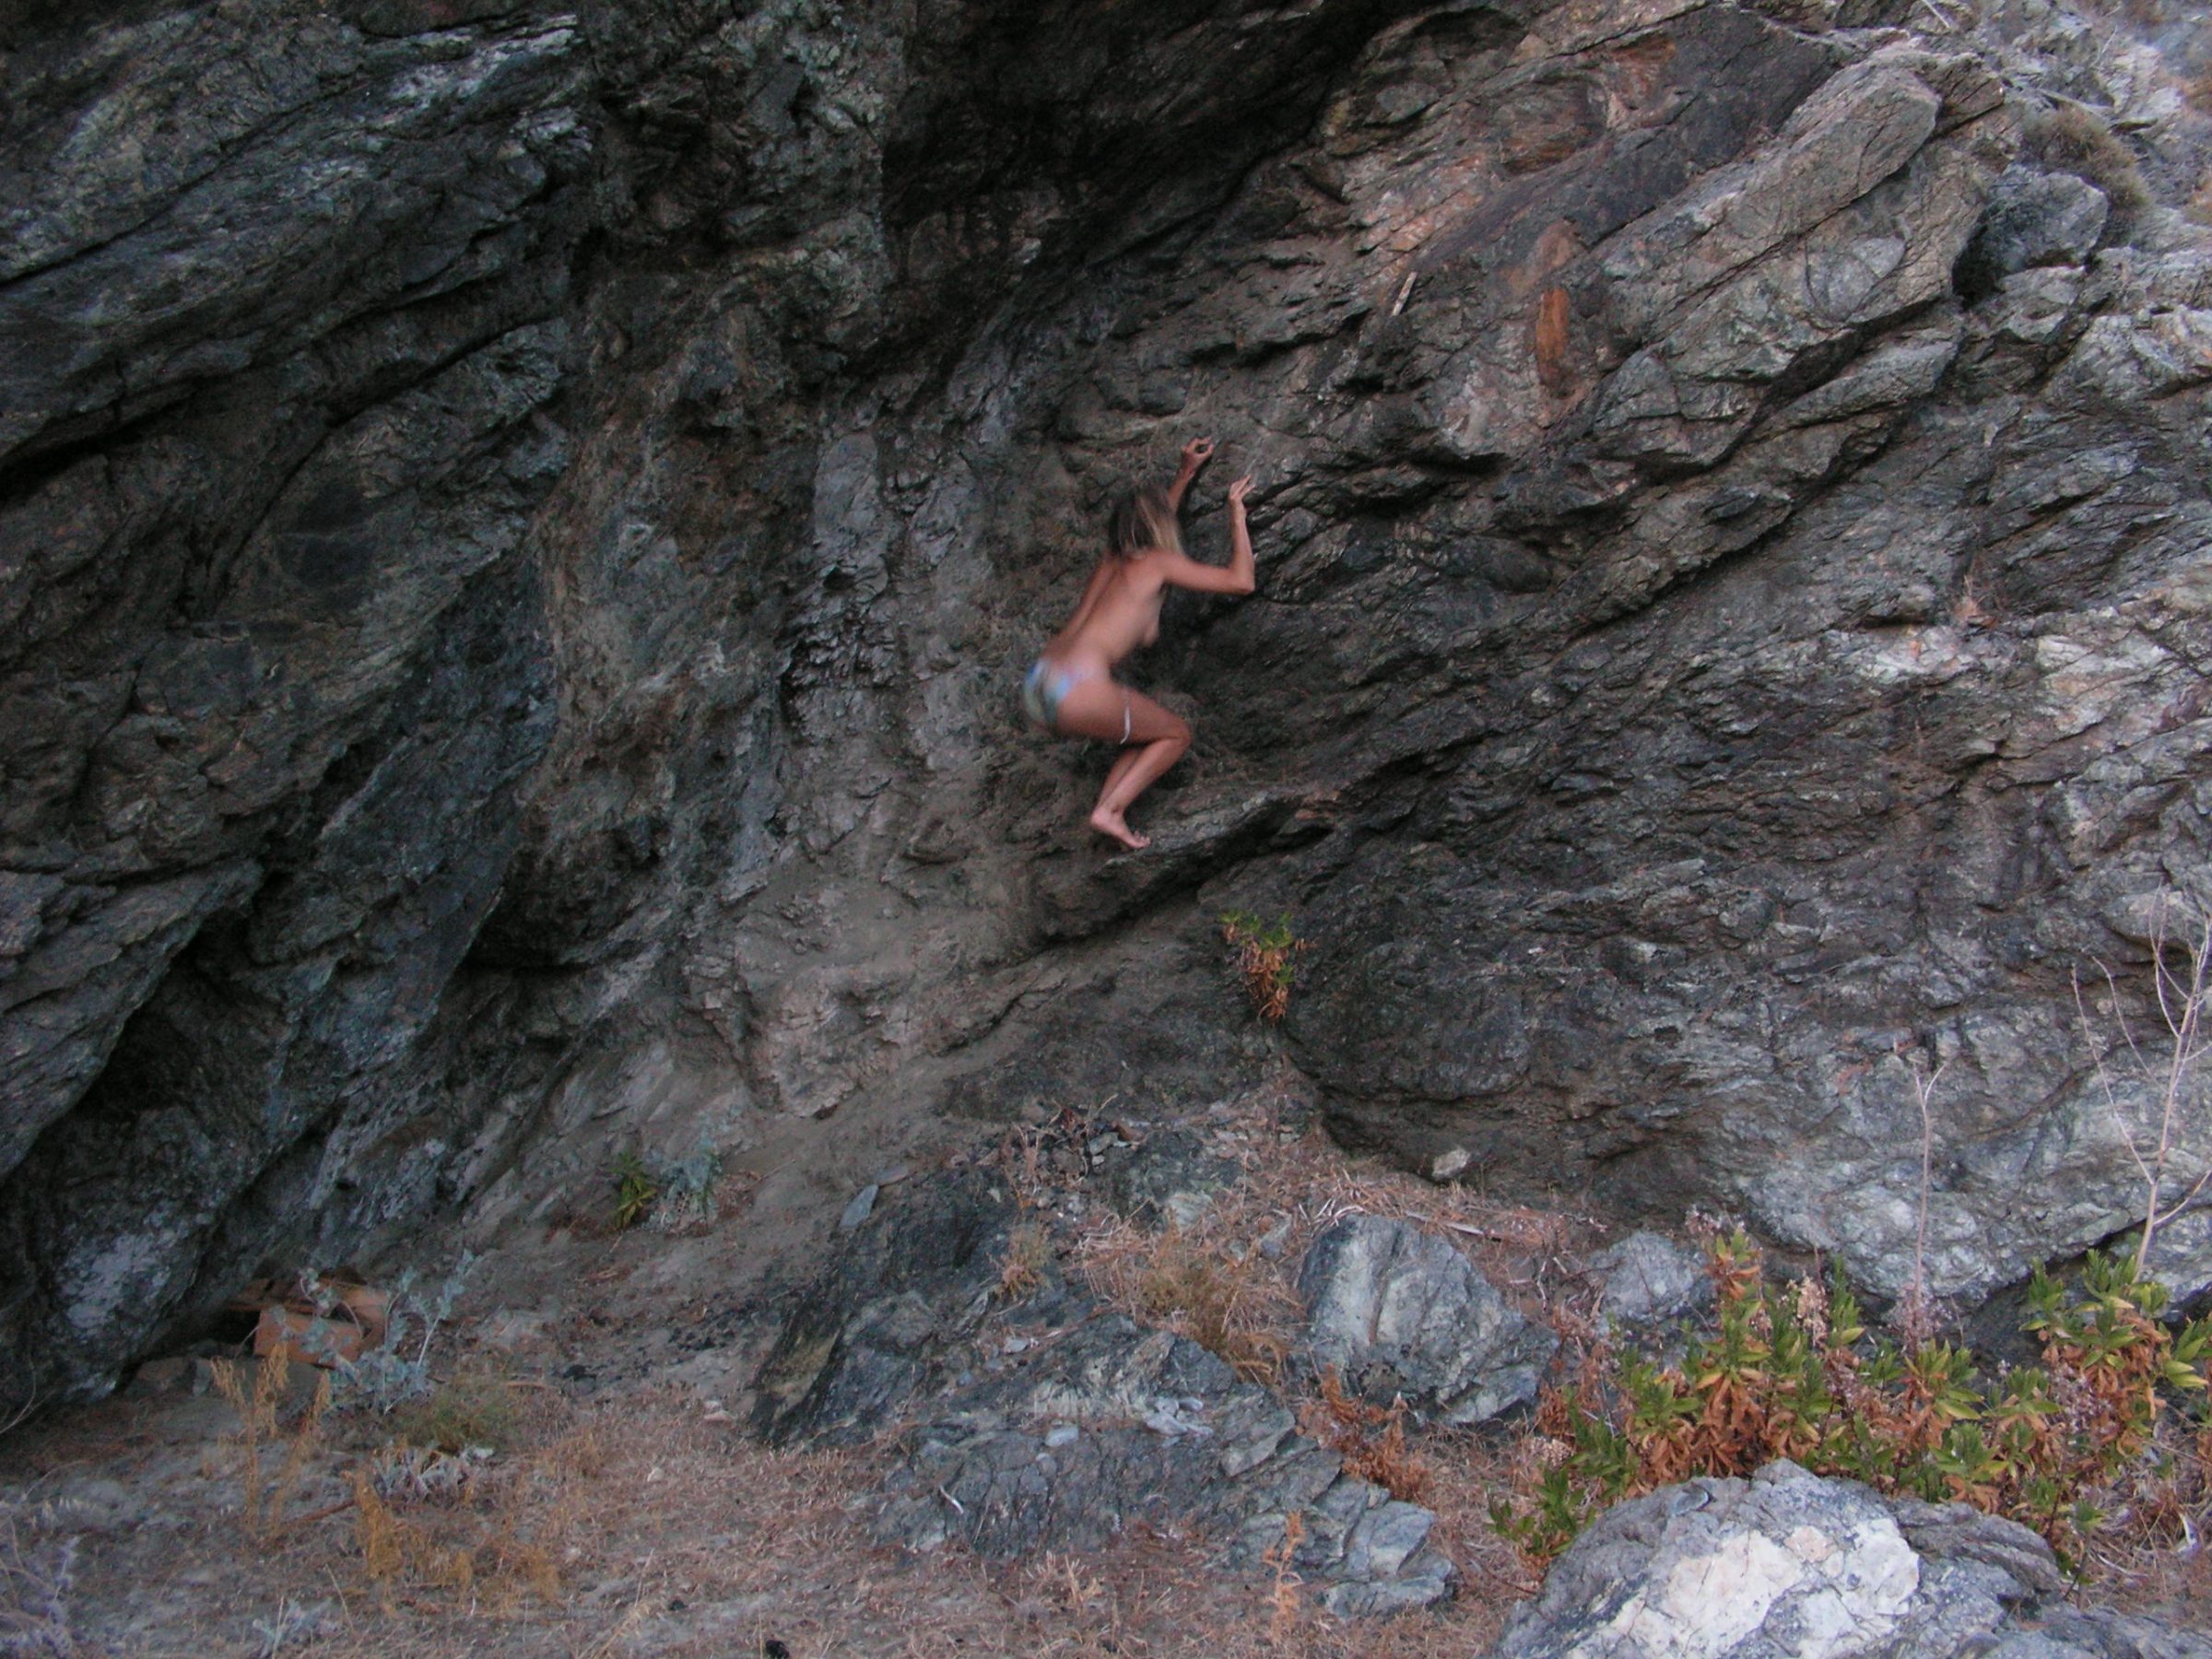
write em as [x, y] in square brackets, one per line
[2181, 1004]
[1919, 1304]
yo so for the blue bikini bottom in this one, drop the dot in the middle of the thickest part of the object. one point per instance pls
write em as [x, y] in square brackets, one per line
[1047, 688]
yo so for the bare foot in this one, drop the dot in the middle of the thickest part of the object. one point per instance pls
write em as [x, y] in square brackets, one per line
[1113, 823]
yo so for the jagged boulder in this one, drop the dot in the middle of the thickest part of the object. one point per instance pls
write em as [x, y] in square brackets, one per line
[1169, 1180]
[1397, 1313]
[1646, 1279]
[1777, 1565]
[2036, 219]
[1789, 1563]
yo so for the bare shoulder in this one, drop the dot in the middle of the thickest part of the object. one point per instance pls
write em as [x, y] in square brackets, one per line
[1150, 569]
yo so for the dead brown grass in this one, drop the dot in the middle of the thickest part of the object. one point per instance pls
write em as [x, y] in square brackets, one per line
[257, 1393]
[1237, 1304]
[639, 1524]
[2075, 139]
[1213, 1281]
[1021, 1270]
[1295, 1186]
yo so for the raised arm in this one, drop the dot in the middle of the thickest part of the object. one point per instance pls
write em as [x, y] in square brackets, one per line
[1195, 454]
[1236, 576]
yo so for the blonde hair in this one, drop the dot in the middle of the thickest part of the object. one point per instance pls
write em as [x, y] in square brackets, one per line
[1142, 520]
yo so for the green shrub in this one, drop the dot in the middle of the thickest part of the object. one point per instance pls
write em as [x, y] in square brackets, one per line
[2108, 1424]
[472, 1410]
[636, 1188]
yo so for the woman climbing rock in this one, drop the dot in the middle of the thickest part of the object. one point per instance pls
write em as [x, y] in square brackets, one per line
[1071, 690]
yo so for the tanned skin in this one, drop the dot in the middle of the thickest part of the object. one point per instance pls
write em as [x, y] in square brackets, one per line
[1119, 614]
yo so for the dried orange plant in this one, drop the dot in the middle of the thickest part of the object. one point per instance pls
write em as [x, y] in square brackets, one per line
[1265, 953]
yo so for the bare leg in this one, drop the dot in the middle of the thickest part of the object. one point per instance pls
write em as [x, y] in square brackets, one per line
[1120, 768]
[1156, 740]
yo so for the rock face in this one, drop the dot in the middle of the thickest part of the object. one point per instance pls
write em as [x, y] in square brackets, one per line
[1789, 1563]
[1397, 1313]
[520, 528]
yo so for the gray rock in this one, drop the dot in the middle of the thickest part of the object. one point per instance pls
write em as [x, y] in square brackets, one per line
[1062, 1439]
[2097, 1633]
[1449, 1164]
[862, 1205]
[2036, 219]
[1398, 1312]
[2180, 1255]
[1790, 1564]
[171, 1374]
[1169, 1179]
[894, 1306]
[1647, 1280]
[1813, 1568]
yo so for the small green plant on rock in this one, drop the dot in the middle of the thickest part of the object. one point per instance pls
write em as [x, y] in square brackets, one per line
[1265, 952]
[672, 1196]
[687, 1191]
[636, 1189]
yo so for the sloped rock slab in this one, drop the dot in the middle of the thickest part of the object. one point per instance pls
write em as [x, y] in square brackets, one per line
[1048, 1423]
[901, 1294]
[1397, 1313]
[1112, 1424]
[2096, 1633]
[2036, 219]
[1790, 1564]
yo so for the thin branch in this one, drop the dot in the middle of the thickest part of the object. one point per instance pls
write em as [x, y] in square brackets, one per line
[2104, 1078]
[2181, 1003]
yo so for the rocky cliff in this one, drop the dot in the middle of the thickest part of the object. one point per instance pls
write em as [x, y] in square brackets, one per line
[520, 530]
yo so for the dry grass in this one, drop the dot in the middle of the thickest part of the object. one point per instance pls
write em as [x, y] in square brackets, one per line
[1029, 1250]
[259, 1403]
[2071, 138]
[641, 1523]
[634, 1527]
[1213, 1281]
[37, 1570]
[1237, 1304]
[1294, 1188]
